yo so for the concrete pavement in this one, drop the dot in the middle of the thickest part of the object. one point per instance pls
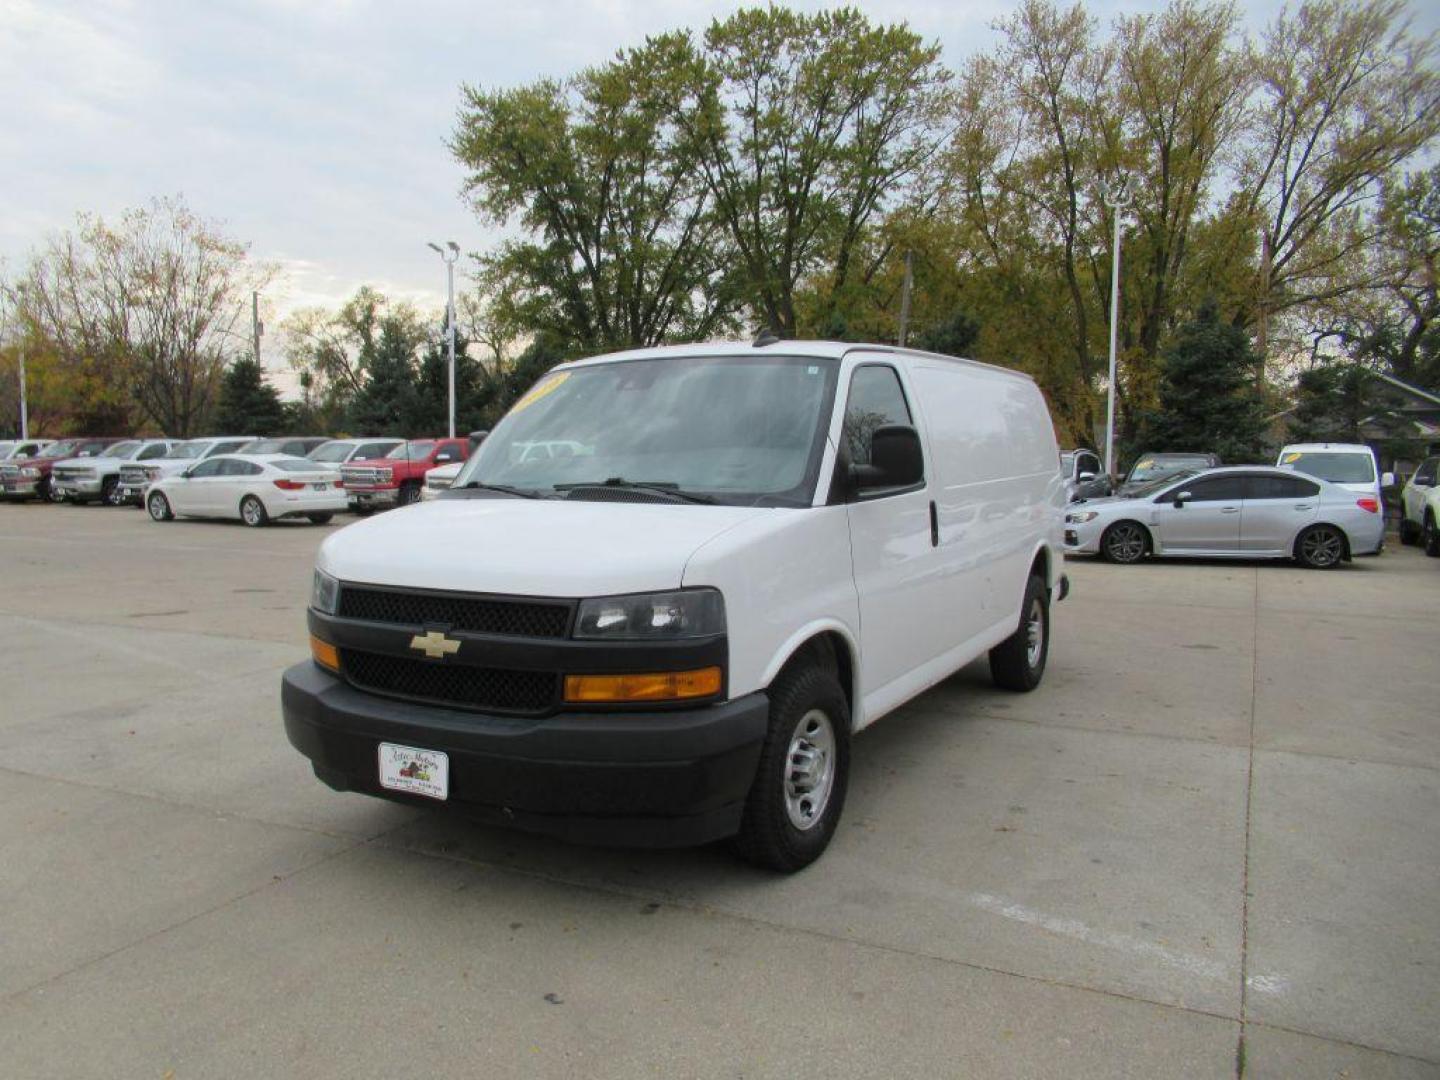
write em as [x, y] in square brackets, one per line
[1208, 840]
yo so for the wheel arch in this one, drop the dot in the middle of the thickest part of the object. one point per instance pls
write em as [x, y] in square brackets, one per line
[1344, 538]
[835, 646]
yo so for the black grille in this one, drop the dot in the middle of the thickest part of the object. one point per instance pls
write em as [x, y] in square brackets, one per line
[513, 618]
[451, 684]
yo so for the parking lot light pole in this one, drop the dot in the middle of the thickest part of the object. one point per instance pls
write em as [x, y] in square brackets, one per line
[20, 318]
[449, 254]
[1117, 199]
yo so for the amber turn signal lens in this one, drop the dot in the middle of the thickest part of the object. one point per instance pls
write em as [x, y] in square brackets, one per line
[658, 686]
[324, 653]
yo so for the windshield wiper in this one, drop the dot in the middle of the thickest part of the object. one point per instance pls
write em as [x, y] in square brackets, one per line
[667, 488]
[476, 485]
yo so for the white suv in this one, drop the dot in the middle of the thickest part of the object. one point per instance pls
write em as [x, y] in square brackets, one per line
[1420, 507]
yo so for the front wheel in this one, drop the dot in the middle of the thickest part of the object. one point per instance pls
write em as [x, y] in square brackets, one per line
[1018, 662]
[409, 493]
[1430, 537]
[50, 493]
[799, 788]
[252, 512]
[159, 507]
[1125, 542]
[109, 491]
[1320, 547]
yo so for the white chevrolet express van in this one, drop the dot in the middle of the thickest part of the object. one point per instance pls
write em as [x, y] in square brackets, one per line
[670, 634]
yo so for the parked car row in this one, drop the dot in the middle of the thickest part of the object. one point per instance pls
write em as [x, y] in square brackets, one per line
[237, 476]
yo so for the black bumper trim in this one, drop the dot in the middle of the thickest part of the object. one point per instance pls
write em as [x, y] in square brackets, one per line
[663, 778]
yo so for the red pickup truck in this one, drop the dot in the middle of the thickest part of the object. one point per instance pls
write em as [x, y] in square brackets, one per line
[396, 479]
[29, 478]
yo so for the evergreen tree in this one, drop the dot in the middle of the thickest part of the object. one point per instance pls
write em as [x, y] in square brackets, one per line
[474, 390]
[386, 403]
[1208, 397]
[248, 404]
[1329, 404]
[953, 337]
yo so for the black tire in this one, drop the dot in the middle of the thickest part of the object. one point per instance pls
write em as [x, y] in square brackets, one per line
[159, 507]
[1409, 532]
[252, 512]
[1430, 537]
[50, 493]
[1125, 542]
[409, 493]
[1320, 547]
[320, 519]
[1018, 662]
[362, 510]
[108, 487]
[768, 835]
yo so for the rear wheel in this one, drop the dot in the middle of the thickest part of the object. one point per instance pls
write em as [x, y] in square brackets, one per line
[1320, 547]
[252, 512]
[1409, 532]
[320, 519]
[1018, 662]
[799, 788]
[1125, 542]
[1430, 537]
[159, 507]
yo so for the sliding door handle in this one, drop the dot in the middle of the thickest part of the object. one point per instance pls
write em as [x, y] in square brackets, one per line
[934, 525]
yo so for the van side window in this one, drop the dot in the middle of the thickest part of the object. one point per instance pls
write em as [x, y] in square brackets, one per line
[876, 400]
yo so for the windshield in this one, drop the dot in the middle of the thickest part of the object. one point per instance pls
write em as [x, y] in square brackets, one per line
[60, 449]
[124, 449]
[332, 451]
[1338, 468]
[185, 451]
[745, 430]
[418, 450]
[1152, 486]
[266, 446]
[295, 464]
[1153, 466]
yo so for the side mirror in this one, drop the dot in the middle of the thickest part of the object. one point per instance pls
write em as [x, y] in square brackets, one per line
[1387, 479]
[1183, 497]
[895, 459]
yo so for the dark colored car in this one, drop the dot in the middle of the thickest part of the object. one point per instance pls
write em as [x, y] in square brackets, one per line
[1150, 467]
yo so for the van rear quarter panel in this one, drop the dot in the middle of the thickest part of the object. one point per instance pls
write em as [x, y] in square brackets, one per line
[999, 494]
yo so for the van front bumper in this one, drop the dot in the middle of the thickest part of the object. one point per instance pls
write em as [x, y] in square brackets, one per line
[653, 779]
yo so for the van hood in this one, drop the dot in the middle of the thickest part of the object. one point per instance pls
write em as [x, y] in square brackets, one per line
[528, 547]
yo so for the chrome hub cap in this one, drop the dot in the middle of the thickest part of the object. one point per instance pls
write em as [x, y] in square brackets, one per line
[1035, 634]
[251, 515]
[1322, 548]
[809, 770]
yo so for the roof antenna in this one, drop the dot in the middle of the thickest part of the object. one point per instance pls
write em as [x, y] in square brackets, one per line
[766, 337]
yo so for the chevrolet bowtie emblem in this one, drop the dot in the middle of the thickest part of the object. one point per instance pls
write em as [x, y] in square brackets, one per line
[435, 645]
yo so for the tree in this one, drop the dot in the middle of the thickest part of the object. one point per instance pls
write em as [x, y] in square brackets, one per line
[955, 336]
[622, 250]
[143, 313]
[1348, 95]
[475, 389]
[1208, 397]
[387, 399]
[1329, 404]
[813, 126]
[248, 405]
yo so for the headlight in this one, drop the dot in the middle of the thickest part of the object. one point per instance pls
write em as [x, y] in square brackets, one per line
[1080, 517]
[386, 475]
[30, 474]
[325, 593]
[690, 613]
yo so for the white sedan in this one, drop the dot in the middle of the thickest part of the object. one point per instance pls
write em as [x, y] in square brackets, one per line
[1248, 512]
[254, 489]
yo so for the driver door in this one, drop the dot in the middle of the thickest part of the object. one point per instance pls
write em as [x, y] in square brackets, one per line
[1201, 515]
[195, 492]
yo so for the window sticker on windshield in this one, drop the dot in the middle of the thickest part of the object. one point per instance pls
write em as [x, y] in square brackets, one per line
[1148, 463]
[1291, 458]
[549, 386]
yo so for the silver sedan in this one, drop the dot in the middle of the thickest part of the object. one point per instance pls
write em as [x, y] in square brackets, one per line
[1249, 512]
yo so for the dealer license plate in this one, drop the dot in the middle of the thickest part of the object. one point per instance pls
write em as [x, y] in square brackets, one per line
[419, 772]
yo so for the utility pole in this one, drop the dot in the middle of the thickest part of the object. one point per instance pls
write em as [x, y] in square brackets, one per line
[20, 317]
[256, 326]
[1262, 319]
[1117, 200]
[449, 257]
[905, 297]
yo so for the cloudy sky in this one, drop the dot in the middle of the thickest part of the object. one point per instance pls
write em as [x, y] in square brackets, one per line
[315, 129]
